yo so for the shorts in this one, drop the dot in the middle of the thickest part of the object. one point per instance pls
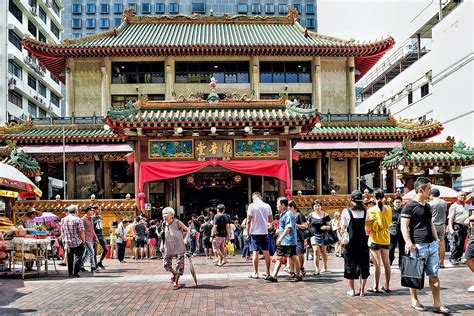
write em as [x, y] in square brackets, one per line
[470, 248]
[207, 242]
[430, 253]
[140, 243]
[317, 240]
[218, 244]
[152, 241]
[258, 242]
[286, 251]
[300, 249]
[374, 246]
[441, 231]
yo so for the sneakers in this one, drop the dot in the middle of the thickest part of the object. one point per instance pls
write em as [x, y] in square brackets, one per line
[297, 278]
[271, 279]
[100, 265]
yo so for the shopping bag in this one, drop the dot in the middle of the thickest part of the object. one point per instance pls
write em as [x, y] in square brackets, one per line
[60, 251]
[413, 271]
[230, 249]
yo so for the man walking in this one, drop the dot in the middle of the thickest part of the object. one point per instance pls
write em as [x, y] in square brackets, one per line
[98, 229]
[439, 209]
[72, 233]
[458, 213]
[259, 219]
[419, 233]
[91, 238]
[286, 241]
[122, 236]
[221, 233]
[396, 237]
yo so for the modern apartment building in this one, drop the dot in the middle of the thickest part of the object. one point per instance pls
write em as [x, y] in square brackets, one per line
[86, 17]
[430, 75]
[27, 89]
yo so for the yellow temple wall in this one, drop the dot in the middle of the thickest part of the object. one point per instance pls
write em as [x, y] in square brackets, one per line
[87, 88]
[334, 85]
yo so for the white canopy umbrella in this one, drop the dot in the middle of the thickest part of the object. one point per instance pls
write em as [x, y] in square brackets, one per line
[12, 177]
[446, 193]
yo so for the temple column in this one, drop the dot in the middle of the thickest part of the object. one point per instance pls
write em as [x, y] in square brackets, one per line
[255, 76]
[136, 172]
[352, 173]
[69, 87]
[350, 85]
[281, 188]
[391, 180]
[107, 180]
[316, 82]
[103, 91]
[169, 78]
[44, 183]
[71, 180]
[319, 176]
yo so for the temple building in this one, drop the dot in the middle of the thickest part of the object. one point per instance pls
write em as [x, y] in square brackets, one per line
[191, 111]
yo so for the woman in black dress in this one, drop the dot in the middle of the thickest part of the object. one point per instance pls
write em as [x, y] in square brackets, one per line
[356, 252]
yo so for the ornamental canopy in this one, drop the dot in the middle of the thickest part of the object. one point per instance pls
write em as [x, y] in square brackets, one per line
[207, 35]
[447, 156]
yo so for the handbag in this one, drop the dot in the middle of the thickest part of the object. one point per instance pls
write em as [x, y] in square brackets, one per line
[330, 237]
[413, 271]
[344, 239]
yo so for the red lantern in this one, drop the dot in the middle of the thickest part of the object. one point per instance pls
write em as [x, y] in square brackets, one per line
[141, 196]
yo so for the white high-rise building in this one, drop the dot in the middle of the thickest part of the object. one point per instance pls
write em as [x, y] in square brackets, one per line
[26, 88]
[430, 75]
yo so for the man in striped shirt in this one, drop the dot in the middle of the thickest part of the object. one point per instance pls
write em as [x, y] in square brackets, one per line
[72, 232]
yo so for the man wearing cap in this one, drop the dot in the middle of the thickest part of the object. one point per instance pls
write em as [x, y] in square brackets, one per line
[458, 213]
[72, 233]
[439, 209]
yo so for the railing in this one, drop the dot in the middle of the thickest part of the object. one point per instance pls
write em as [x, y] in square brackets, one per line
[92, 120]
[350, 117]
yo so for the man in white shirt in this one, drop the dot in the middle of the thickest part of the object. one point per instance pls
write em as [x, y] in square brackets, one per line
[458, 213]
[259, 220]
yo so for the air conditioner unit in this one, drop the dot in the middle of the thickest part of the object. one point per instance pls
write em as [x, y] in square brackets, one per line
[28, 60]
[36, 97]
[33, 11]
[12, 81]
[11, 26]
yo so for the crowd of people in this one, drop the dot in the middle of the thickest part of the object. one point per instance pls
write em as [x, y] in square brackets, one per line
[368, 232]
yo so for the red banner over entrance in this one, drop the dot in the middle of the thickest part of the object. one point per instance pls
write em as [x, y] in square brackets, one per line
[153, 171]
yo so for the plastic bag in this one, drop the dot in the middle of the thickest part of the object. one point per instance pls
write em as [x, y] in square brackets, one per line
[230, 248]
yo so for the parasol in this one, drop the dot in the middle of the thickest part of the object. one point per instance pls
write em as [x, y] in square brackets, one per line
[191, 269]
[13, 178]
[45, 217]
[446, 193]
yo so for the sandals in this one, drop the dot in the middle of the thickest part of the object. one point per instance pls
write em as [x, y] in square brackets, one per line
[418, 307]
[175, 287]
[303, 271]
[442, 310]
[386, 290]
[373, 290]
[253, 277]
[351, 293]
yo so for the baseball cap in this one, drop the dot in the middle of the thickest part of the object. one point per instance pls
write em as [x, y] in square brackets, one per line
[356, 196]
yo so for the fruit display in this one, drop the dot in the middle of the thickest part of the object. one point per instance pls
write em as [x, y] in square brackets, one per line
[6, 224]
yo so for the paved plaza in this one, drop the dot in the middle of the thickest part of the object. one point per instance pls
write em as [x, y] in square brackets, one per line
[143, 287]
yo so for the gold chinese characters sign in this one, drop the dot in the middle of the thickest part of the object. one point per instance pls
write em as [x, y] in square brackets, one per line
[213, 149]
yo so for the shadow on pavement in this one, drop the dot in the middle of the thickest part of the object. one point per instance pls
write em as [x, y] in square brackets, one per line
[206, 287]
[15, 311]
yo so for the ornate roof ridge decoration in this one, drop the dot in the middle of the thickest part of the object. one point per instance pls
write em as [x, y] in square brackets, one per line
[14, 127]
[23, 162]
[461, 148]
[295, 106]
[422, 146]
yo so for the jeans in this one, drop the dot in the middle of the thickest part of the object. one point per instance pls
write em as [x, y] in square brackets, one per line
[121, 250]
[459, 239]
[192, 244]
[245, 249]
[396, 240]
[74, 258]
[431, 255]
[89, 252]
[105, 249]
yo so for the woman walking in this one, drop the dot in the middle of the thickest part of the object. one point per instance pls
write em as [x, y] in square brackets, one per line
[173, 245]
[319, 223]
[378, 221]
[356, 252]
[336, 226]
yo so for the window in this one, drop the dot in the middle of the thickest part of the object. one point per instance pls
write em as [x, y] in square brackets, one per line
[15, 98]
[269, 8]
[410, 97]
[117, 21]
[32, 81]
[76, 23]
[90, 8]
[255, 8]
[425, 89]
[289, 72]
[14, 69]
[173, 8]
[54, 29]
[159, 8]
[310, 23]
[298, 8]
[282, 9]
[32, 28]
[42, 15]
[54, 78]
[119, 101]
[77, 8]
[90, 23]
[54, 99]
[42, 89]
[104, 8]
[41, 113]
[55, 7]
[32, 3]
[15, 11]
[146, 8]
[41, 37]
[242, 8]
[104, 23]
[118, 8]
[304, 98]
[76, 35]
[201, 72]
[198, 8]
[14, 39]
[31, 108]
[141, 72]
[310, 8]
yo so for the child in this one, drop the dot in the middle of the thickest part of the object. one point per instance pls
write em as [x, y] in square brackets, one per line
[192, 237]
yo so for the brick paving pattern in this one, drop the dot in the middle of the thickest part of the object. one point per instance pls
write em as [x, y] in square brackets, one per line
[143, 288]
